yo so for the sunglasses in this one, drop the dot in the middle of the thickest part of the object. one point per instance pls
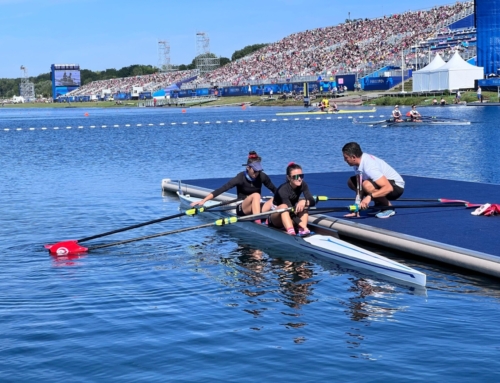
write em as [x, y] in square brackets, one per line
[298, 177]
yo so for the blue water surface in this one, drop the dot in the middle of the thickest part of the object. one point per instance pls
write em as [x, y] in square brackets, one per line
[211, 305]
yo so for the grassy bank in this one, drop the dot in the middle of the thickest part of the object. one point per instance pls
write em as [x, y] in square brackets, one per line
[427, 100]
[255, 100]
[259, 101]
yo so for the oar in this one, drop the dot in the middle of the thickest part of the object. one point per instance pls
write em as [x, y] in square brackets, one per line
[219, 222]
[440, 118]
[442, 200]
[356, 208]
[72, 246]
[451, 204]
[354, 121]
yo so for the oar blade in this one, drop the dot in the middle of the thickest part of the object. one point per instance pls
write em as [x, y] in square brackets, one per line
[64, 248]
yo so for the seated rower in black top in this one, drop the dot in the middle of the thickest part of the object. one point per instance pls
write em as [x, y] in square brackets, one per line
[248, 187]
[288, 195]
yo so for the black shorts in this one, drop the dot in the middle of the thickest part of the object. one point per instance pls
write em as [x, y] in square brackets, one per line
[239, 210]
[396, 192]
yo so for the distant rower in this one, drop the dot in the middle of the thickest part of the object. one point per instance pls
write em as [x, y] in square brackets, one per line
[396, 114]
[324, 105]
[415, 116]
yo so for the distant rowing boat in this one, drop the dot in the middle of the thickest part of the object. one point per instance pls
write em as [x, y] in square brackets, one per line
[344, 111]
[408, 122]
[325, 245]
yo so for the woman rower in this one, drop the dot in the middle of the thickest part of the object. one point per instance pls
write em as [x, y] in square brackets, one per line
[287, 196]
[248, 187]
[396, 114]
[333, 107]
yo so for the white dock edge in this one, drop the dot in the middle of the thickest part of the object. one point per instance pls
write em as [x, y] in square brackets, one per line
[453, 255]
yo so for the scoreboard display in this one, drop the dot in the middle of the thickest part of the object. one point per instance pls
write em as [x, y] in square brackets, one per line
[65, 78]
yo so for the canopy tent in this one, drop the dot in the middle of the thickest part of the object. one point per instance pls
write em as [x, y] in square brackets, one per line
[421, 78]
[455, 74]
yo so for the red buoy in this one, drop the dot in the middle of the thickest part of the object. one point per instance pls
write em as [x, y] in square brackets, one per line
[65, 248]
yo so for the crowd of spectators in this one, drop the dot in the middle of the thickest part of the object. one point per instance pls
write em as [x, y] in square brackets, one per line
[446, 43]
[151, 82]
[357, 46]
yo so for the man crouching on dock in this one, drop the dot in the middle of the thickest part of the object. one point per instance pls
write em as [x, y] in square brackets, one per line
[379, 181]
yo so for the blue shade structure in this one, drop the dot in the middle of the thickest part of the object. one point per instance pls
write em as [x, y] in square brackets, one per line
[488, 35]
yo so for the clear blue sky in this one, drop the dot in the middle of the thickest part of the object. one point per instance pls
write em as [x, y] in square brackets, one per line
[102, 34]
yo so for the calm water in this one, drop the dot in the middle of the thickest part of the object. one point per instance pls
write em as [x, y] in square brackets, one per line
[216, 306]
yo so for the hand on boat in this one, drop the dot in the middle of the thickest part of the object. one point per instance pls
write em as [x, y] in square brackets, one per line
[198, 203]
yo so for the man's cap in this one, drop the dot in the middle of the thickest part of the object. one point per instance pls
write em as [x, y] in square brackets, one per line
[397, 106]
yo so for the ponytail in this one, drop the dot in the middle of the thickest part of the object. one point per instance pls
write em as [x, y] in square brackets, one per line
[253, 157]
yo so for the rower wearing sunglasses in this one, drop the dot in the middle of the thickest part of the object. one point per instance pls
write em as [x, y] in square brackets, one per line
[248, 187]
[288, 195]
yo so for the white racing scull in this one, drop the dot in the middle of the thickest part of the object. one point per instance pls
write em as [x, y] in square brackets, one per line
[325, 244]
[407, 122]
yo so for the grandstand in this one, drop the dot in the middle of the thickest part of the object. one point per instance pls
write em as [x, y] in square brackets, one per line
[359, 47]
[147, 83]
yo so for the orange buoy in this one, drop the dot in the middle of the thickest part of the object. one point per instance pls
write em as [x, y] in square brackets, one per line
[183, 110]
[86, 114]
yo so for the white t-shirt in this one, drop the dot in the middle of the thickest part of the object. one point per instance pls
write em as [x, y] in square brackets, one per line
[373, 168]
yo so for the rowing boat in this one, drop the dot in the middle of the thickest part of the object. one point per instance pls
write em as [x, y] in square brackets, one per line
[344, 111]
[408, 122]
[324, 243]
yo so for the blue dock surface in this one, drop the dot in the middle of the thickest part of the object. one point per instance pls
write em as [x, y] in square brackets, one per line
[453, 227]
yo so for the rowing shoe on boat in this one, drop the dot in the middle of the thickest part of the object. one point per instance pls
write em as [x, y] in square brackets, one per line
[324, 244]
[408, 122]
[344, 111]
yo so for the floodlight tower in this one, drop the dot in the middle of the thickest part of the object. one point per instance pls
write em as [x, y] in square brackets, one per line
[205, 60]
[26, 88]
[164, 56]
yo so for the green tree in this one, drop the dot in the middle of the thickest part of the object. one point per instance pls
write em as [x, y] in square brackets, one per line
[246, 51]
[224, 61]
[43, 88]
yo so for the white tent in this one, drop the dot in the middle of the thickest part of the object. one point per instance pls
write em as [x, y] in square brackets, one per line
[455, 74]
[421, 78]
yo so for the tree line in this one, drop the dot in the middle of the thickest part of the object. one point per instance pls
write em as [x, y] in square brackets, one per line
[43, 84]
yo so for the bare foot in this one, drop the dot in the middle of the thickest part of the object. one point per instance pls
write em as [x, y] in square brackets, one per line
[352, 215]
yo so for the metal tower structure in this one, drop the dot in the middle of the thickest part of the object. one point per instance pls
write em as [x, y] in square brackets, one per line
[205, 60]
[26, 88]
[164, 56]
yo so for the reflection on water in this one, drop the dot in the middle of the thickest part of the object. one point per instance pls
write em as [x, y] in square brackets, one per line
[361, 306]
[67, 260]
[263, 279]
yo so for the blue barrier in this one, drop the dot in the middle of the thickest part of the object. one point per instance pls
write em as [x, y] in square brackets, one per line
[319, 85]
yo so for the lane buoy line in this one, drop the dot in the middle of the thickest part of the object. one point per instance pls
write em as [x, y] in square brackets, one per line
[180, 123]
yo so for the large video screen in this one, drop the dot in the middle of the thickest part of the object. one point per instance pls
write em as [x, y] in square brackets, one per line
[67, 77]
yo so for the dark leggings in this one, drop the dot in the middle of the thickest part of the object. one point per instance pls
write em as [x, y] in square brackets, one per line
[396, 192]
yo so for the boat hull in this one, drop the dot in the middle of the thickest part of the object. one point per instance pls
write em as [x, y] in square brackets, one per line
[412, 124]
[326, 246]
[344, 111]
